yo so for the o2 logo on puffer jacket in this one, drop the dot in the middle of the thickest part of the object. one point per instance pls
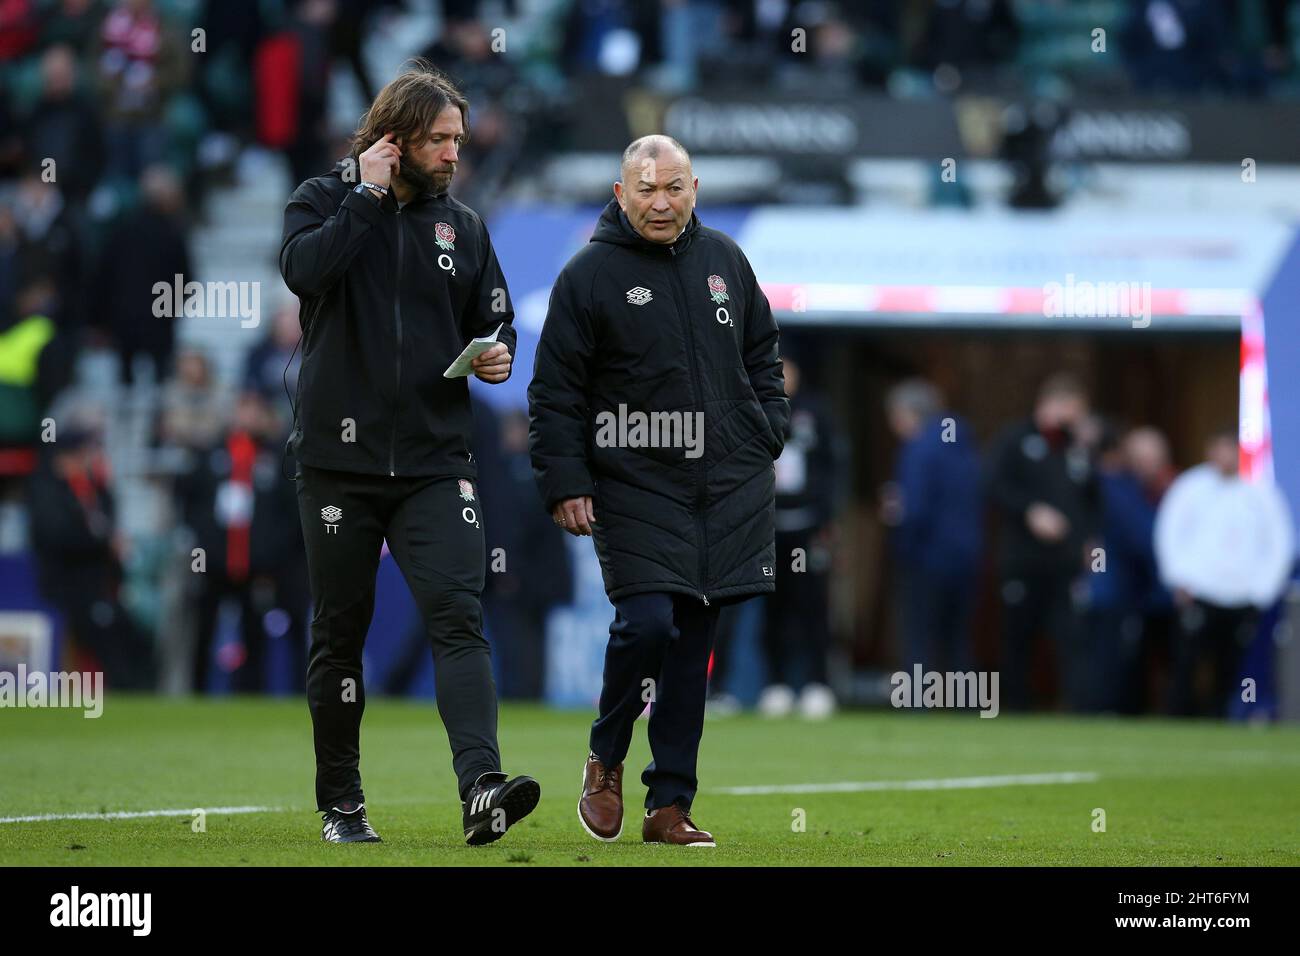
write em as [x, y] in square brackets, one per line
[445, 236]
[717, 289]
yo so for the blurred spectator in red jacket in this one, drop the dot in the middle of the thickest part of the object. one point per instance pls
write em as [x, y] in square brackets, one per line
[80, 554]
[140, 65]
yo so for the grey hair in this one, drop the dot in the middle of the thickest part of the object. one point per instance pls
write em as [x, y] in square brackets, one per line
[651, 146]
[916, 395]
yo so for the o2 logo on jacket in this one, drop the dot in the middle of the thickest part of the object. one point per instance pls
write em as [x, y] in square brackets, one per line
[718, 293]
[445, 237]
[468, 514]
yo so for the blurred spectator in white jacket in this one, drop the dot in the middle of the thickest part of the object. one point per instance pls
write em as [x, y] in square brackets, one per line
[1225, 547]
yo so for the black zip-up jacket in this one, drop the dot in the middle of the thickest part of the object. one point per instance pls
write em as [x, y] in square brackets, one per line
[658, 328]
[1026, 466]
[389, 299]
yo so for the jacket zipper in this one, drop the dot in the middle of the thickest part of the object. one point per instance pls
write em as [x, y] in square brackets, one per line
[397, 325]
[695, 387]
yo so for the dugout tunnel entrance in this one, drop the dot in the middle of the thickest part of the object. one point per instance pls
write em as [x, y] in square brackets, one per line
[1183, 380]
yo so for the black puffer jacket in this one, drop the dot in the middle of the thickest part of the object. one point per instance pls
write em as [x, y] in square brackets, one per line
[654, 329]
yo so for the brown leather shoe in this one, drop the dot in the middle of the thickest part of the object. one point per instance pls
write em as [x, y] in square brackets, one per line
[601, 807]
[672, 824]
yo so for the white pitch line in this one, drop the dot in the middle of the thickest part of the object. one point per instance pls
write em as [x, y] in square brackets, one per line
[136, 814]
[947, 783]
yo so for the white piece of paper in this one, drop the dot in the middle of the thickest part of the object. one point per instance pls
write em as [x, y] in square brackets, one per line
[461, 367]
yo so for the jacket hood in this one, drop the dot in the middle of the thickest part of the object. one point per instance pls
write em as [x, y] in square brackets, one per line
[613, 227]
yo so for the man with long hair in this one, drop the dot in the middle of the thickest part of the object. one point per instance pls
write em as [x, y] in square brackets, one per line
[395, 277]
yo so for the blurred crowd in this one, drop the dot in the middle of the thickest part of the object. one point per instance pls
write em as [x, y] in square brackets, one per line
[1102, 549]
[117, 118]
[1122, 586]
[1169, 46]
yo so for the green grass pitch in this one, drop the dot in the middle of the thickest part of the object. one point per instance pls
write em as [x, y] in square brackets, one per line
[1173, 793]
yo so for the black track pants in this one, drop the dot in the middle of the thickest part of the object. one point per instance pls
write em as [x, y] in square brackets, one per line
[435, 534]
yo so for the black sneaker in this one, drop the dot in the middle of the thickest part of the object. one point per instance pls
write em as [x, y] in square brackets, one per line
[347, 823]
[495, 804]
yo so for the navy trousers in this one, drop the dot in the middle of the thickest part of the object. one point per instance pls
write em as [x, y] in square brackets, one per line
[658, 652]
